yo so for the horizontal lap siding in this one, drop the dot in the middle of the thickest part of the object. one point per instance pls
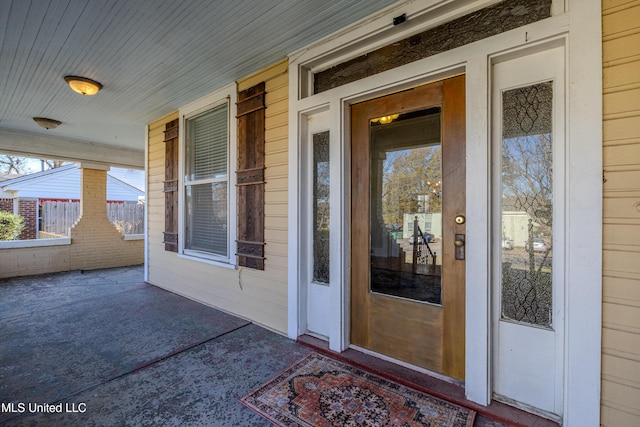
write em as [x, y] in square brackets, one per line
[621, 212]
[260, 296]
[164, 267]
[276, 173]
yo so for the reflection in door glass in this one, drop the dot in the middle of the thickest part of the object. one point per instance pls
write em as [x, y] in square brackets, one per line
[527, 208]
[406, 205]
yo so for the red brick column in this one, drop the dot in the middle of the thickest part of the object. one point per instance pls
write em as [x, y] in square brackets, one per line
[28, 210]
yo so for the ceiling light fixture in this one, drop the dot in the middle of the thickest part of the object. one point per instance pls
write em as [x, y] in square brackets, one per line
[47, 123]
[83, 85]
[386, 119]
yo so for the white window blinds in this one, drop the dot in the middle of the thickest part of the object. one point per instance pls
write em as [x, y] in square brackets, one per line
[206, 182]
[206, 144]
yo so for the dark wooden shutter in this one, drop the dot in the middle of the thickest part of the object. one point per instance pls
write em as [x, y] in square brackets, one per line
[171, 187]
[250, 177]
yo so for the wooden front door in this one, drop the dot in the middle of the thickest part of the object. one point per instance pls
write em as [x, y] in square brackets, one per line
[407, 226]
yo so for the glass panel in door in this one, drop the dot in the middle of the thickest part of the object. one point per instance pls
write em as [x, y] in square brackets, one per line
[406, 205]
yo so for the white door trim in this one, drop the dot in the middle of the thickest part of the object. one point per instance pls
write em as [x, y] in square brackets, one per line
[584, 199]
[521, 351]
[584, 217]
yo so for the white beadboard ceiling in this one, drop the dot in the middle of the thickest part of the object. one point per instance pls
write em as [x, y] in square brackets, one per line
[152, 56]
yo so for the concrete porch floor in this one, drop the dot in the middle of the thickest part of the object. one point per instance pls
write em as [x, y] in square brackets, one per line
[118, 351]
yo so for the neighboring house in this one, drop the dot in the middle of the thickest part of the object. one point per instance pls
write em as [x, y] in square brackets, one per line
[26, 194]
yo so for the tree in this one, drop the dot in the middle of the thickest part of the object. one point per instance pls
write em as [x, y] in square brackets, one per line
[13, 164]
[527, 186]
[527, 179]
[10, 225]
[412, 183]
[52, 164]
[25, 165]
[527, 152]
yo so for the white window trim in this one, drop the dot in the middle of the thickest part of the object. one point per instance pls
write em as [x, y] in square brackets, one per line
[227, 94]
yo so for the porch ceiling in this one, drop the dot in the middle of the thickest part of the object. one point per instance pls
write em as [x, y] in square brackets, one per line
[152, 56]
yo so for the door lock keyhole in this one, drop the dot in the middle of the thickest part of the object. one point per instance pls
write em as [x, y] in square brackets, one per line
[459, 243]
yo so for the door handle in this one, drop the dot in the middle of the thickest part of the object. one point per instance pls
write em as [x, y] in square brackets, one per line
[459, 243]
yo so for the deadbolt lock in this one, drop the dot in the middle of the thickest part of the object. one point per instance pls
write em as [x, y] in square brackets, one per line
[460, 219]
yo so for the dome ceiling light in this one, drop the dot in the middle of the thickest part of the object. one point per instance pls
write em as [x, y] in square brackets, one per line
[83, 85]
[47, 123]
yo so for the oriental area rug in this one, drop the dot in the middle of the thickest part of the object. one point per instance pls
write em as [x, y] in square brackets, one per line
[322, 392]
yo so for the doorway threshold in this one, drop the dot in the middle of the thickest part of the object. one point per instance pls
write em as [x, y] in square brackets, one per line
[447, 390]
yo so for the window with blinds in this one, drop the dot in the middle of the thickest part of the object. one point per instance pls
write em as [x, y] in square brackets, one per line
[206, 181]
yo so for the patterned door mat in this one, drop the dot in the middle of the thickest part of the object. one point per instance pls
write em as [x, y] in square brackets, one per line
[323, 392]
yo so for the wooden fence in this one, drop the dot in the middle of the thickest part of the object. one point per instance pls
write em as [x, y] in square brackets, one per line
[58, 217]
[127, 217]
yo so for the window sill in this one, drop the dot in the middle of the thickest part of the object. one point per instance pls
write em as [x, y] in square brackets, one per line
[209, 261]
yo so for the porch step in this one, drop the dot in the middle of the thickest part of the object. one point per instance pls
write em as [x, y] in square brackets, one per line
[449, 391]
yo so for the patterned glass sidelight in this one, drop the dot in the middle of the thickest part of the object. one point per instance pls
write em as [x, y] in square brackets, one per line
[321, 184]
[527, 205]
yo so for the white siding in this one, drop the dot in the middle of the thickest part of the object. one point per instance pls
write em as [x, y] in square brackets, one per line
[621, 204]
[260, 296]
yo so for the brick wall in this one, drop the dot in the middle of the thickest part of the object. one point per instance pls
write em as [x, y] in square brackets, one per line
[28, 210]
[6, 205]
[16, 262]
[95, 242]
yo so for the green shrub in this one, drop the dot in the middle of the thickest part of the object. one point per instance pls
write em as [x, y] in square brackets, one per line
[10, 225]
